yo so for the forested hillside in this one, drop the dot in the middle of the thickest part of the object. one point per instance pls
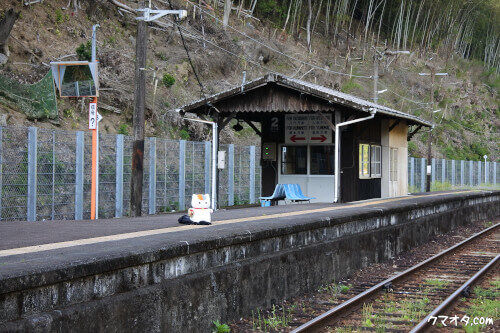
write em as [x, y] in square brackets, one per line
[336, 43]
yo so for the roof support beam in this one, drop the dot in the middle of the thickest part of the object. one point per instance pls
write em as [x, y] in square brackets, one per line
[256, 130]
[332, 126]
[394, 124]
[412, 133]
[226, 121]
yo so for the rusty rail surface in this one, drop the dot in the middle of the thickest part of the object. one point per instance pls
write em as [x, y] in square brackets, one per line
[467, 258]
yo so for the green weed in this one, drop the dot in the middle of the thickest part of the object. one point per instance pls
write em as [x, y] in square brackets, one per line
[220, 328]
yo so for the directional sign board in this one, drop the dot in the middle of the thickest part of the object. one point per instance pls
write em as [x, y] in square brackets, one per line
[307, 128]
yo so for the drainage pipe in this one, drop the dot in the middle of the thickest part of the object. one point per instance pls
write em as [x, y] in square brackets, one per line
[337, 149]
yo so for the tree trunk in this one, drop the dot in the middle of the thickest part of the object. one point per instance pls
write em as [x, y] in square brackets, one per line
[309, 25]
[227, 10]
[6, 26]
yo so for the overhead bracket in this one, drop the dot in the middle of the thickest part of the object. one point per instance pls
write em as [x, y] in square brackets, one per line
[154, 14]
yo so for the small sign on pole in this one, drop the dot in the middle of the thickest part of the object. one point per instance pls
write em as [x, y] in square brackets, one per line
[93, 116]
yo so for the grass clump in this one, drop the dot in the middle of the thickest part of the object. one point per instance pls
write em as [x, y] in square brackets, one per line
[275, 320]
[168, 80]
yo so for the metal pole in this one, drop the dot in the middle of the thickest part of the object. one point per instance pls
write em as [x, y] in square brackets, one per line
[79, 174]
[52, 210]
[214, 165]
[230, 176]
[252, 175]
[182, 174]
[32, 174]
[429, 140]
[152, 176]
[119, 176]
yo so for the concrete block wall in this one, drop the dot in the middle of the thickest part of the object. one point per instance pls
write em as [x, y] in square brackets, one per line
[187, 287]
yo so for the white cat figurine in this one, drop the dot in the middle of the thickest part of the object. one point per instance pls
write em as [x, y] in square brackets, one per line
[200, 210]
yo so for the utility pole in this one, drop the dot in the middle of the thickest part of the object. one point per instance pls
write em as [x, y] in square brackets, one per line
[376, 60]
[141, 46]
[432, 74]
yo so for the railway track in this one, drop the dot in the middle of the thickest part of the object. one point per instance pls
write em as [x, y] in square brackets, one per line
[406, 301]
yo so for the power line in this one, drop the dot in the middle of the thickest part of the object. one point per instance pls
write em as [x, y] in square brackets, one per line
[403, 97]
[276, 50]
[202, 89]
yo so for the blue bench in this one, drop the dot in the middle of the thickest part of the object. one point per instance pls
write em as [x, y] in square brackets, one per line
[291, 192]
[294, 193]
[278, 194]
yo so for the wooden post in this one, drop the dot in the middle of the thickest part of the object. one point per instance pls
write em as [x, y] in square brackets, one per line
[138, 119]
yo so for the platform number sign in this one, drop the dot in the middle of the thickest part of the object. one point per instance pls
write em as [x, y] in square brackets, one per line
[94, 116]
[274, 124]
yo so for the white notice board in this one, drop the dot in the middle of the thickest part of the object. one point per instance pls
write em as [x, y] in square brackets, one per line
[307, 128]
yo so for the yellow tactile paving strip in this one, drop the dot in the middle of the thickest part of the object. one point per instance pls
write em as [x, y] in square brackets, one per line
[124, 236]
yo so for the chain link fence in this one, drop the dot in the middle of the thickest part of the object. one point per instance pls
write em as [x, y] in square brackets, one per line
[452, 174]
[46, 174]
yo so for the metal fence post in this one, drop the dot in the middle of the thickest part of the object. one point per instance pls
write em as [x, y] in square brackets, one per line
[152, 176]
[494, 173]
[119, 176]
[412, 171]
[462, 172]
[486, 172]
[182, 174]
[443, 170]
[230, 176]
[452, 172]
[208, 155]
[479, 177]
[252, 175]
[1, 170]
[433, 170]
[80, 146]
[32, 166]
[422, 174]
[471, 167]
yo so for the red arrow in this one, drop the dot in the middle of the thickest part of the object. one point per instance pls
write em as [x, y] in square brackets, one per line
[294, 138]
[322, 138]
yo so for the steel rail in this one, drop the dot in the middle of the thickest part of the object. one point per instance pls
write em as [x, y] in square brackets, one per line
[316, 323]
[441, 307]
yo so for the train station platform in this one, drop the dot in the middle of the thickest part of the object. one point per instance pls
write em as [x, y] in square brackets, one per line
[152, 273]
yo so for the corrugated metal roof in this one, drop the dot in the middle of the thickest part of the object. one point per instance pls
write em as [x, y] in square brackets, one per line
[312, 89]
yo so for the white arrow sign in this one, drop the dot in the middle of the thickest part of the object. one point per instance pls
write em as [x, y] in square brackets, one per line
[99, 117]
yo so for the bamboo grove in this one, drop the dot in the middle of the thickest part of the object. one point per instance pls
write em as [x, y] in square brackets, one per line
[468, 28]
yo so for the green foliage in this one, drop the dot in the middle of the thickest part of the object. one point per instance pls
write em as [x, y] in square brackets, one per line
[220, 328]
[123, 129]
[271, 9]
[349, 86]
[440, 186]
[60, 17]
[274, 320]
[69, 113]
[412, 148]
[184, 134]
[84, 51]
[168, 80]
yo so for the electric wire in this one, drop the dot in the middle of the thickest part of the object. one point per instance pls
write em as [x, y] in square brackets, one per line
[202, 89]
[276, 50]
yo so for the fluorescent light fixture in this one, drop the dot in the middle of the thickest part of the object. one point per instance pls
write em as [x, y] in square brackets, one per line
[381, 91]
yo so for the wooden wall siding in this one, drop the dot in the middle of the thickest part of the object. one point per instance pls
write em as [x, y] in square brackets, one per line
[352, 187]
[273, 98]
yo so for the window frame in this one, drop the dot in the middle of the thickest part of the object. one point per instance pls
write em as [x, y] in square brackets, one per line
[370, 163]
[282, 163]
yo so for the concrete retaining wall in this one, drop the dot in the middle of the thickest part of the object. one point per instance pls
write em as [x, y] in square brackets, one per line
[187, 288]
